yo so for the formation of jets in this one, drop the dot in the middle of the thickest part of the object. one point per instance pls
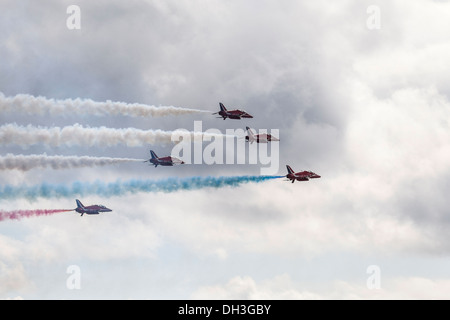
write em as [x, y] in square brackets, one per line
[251, 137]
[264, 138]
[171, 161]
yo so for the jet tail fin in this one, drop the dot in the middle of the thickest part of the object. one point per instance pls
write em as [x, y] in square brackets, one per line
[251, 136]
[289, 169]
[154, 156]
[222, 107]
[79, 204]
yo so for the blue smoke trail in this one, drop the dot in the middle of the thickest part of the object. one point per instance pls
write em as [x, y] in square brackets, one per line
[119, 187]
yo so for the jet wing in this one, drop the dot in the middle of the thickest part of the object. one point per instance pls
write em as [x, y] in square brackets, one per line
[176, 161]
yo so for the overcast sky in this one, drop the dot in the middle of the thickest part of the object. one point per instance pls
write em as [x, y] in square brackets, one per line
[358, 91]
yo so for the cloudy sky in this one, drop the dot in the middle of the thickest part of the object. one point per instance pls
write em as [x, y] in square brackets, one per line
[357, 89]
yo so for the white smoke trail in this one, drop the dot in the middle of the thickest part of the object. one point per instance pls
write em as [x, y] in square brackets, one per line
[29, 104]
[28, 162]
[77, 135]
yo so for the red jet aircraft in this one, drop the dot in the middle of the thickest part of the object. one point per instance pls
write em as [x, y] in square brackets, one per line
[163, 161]
[300, 176]
[259, 138]
[95, 209]
[233, 114]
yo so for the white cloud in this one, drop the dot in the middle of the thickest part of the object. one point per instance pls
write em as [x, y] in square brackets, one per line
[246, 288]
[283, 287]
[13, 275]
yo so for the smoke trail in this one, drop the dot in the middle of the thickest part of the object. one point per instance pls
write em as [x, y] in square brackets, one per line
[78, 135]
[18, 214]
[28, 162]
[40, 105]
[119, 188]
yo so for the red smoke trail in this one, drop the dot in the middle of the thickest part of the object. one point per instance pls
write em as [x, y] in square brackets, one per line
[19, 214]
